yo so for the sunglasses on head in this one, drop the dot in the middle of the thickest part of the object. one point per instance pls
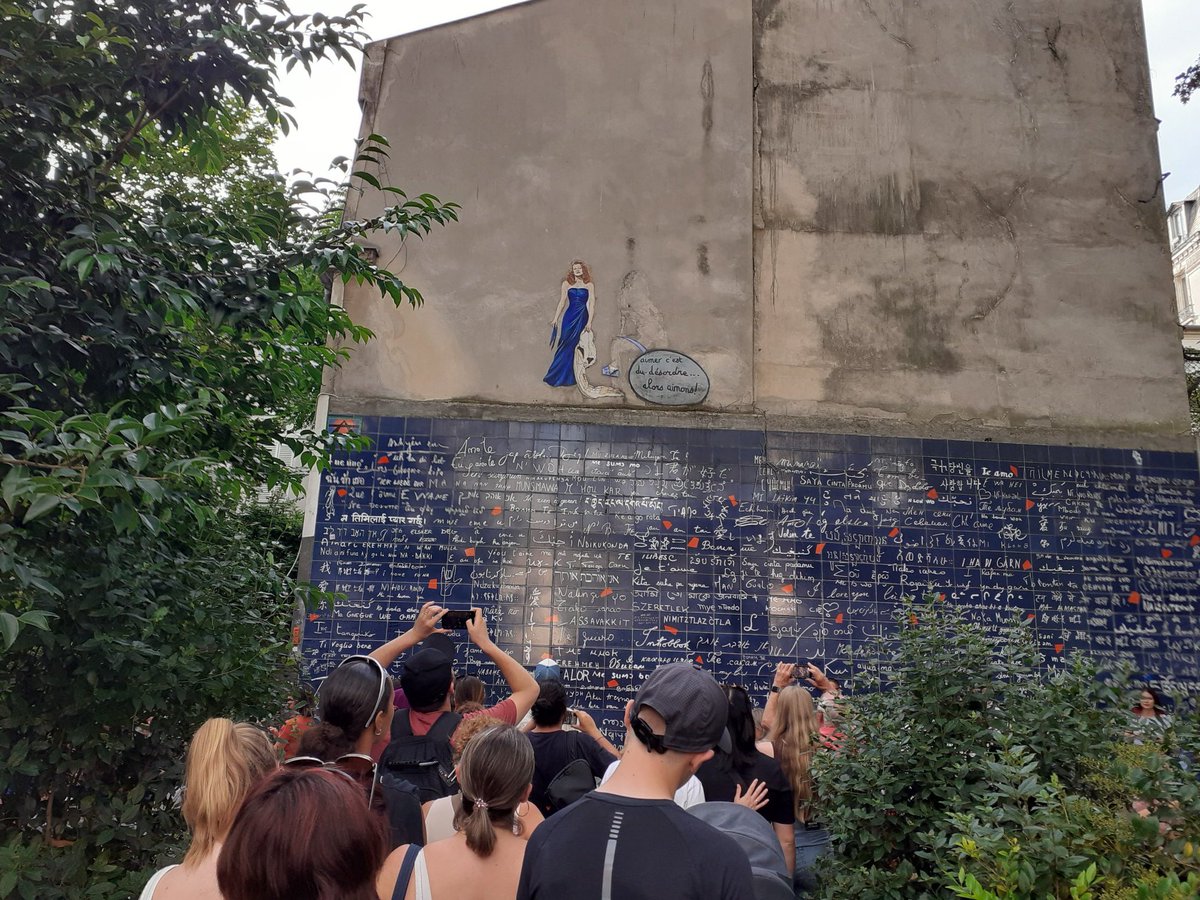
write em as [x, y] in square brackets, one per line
[358, 767]
[383, 683]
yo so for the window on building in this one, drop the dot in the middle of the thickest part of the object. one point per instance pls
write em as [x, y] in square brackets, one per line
[1175, 221]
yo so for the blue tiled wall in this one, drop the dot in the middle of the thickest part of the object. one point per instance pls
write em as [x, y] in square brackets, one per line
[617, 548]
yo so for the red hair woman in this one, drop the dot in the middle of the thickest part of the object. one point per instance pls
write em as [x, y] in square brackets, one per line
[303, 834]
[572, 318]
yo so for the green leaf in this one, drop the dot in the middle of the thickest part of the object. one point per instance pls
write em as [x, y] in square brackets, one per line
[9, 628]
[41, 505]
[37, 618]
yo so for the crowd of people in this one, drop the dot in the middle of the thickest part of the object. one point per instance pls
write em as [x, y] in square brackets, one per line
[416, 789]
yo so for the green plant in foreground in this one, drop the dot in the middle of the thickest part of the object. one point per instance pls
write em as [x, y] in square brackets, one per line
[967, 765]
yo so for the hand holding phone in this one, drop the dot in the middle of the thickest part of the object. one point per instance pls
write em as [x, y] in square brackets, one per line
[457, 618]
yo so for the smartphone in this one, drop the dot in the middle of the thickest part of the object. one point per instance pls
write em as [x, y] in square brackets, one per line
[457, 618]
[572, 718]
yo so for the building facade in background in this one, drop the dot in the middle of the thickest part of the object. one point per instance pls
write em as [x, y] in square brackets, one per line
[761, 317]
[1183, 227]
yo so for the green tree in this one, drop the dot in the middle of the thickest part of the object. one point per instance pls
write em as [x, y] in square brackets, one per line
[161, 314]
[968, 768]
[1191, 371]
[1187, 82]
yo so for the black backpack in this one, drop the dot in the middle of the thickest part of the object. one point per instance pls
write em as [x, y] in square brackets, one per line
[572, 781]
[425, 761]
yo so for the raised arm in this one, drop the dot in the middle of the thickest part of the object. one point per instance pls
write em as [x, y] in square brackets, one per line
[521, 683]
[785, 674]
[426, 624]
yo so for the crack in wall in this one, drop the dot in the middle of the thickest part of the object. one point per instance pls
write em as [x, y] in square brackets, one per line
[879, 21]
[1001, 215]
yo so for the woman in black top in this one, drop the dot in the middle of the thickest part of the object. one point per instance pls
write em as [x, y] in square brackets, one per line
[554, 749]
[726, 773]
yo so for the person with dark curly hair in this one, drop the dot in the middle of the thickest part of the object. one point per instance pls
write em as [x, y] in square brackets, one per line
[554, 749]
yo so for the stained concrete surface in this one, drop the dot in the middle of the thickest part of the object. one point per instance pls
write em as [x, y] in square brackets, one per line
[934, 218]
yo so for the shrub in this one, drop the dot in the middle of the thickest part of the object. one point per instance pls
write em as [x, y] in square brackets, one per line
[970, 767]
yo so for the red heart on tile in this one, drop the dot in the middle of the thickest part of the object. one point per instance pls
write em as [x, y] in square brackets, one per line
[787, 588]
[895, 532]
[1013, 469]
[820, 548]
[1029, 504]
[606, 592]
[694, 543]
[1027, 565]
[341, 492]
[1135, 598]
[733, 500]
[470, 551]
[1058, 648]
[670, 629]
[1166, 554]
[612, 682]
[433, 584]
[666, 523]
[383, 460]
[932, 493]
[839, 618]
[496, 510]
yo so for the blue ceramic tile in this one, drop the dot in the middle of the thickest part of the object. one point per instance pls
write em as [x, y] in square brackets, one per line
[567, 530]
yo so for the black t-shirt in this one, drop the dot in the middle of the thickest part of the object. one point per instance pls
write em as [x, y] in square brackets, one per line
[721, 781]
[552, 750]
[606, 847]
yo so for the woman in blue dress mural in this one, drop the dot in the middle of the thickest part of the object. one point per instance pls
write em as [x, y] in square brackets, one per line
[571, 319]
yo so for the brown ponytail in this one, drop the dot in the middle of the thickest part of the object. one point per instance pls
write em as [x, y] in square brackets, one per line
[495, 773]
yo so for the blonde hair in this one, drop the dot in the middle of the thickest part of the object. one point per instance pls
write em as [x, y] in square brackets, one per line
[225, 760]
[793, 737]
[494, 774]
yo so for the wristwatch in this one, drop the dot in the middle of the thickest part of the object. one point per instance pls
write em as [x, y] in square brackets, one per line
[775, 689]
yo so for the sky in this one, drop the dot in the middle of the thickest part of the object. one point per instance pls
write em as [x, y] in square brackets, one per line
[328, 114]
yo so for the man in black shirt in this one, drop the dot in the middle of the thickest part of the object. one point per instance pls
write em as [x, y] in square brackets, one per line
[628, 840]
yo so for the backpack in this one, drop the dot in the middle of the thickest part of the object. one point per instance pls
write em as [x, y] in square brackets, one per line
[406, 824]
[424, 761]
[757, 839]
[572, 781]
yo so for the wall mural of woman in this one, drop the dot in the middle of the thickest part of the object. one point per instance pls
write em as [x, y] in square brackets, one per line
[572, 318]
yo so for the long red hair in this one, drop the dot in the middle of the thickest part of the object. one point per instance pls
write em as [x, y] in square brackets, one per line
[586, 278]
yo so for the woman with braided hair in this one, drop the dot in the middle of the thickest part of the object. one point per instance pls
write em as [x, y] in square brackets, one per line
[482, 861]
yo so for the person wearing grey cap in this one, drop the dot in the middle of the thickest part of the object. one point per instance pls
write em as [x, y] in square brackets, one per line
[628, 839]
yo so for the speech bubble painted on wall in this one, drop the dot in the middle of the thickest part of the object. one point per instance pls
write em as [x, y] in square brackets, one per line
[668, 378]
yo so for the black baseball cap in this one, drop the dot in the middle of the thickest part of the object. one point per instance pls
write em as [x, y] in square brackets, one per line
[426, 678]
[690, 702]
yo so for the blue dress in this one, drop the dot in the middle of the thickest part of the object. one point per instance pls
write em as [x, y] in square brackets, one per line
[574, 320]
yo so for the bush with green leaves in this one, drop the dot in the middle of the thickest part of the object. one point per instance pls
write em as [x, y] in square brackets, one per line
[163, 324]
[970, 768]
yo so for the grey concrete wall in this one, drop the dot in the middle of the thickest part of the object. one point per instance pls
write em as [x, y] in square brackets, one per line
[617, 132]
[958, 218]
[886, 216]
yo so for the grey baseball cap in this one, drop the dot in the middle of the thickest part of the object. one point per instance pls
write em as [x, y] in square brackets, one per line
[690, 702]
